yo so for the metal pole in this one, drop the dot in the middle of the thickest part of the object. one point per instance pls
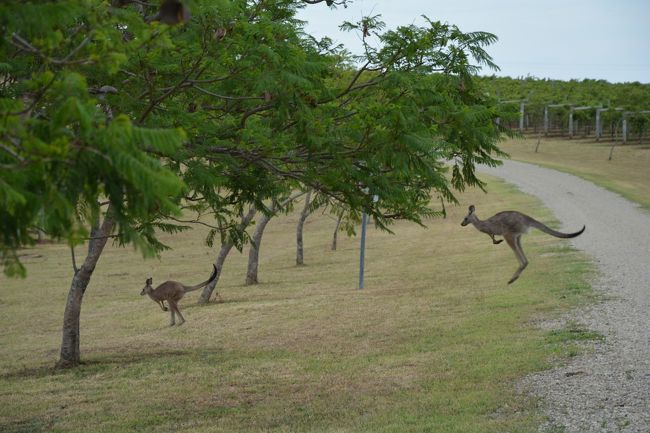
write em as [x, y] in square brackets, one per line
[546, 120]
[362, 255]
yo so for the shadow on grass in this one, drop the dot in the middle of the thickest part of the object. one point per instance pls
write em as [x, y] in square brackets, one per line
[30, 425]
[108, 359]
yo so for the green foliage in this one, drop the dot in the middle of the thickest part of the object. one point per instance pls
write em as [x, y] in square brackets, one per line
[629, 96]
[64, 152]
[233, 109]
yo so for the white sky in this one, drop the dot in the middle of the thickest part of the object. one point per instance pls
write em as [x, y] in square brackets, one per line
[600, 39]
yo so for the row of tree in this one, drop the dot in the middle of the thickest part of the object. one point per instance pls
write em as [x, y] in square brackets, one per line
[346, 219]
[594, 108]
[121, 120]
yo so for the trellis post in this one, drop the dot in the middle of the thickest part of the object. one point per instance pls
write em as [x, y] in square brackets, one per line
[599, 123]
[546, 120]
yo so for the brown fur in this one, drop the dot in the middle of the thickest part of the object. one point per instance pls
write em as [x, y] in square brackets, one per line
[172, 292]
[512, 225]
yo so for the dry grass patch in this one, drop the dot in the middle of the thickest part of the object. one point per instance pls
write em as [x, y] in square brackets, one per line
[434, 342]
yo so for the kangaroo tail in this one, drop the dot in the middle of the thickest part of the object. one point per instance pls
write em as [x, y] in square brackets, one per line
[203, 284]
[555, 233]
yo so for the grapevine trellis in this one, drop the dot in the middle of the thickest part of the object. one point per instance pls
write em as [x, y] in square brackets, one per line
[580, 121]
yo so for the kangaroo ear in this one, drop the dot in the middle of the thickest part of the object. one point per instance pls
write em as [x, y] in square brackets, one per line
[471, 208]
[149, 280]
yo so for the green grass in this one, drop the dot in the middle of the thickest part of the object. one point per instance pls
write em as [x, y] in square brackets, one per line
[628, 173]
[435, 343]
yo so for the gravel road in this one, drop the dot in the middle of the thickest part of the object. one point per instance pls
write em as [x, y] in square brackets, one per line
[607, 390]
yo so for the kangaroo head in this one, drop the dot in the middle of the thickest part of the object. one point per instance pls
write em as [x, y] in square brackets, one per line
[468, 218]
[147, 287]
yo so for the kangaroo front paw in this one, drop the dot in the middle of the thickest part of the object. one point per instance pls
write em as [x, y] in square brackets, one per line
[498, 242]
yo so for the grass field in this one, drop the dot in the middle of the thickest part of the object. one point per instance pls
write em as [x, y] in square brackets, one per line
[435, 342]
[628, 173]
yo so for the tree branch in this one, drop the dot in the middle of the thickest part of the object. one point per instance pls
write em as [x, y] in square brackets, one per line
[22, 44]
[37, 98]
[354, 79]
[74, 261]
[229, 98]
[193, 222]
[252, 111]
[11, 152]
[183, 80]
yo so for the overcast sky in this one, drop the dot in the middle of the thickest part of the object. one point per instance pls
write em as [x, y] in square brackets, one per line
[601, 39]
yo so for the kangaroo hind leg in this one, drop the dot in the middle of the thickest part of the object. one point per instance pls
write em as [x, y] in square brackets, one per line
[174, 306]
[515, 244]
[172, 312]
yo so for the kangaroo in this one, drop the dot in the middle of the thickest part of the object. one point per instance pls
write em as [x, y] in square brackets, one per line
[511, 225]
[172, 292]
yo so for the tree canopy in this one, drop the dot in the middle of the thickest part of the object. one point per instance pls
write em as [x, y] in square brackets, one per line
[66, 152]
[101, 103]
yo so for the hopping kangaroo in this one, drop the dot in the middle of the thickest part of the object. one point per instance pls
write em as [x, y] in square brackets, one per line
[511, 225]
[172, 292]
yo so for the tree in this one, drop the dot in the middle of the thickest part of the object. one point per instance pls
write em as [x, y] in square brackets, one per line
[256, 239]
[226, 246]
[336, 232]
[306, 210]
[72, 165]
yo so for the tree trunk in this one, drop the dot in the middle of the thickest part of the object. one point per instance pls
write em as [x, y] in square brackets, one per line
[70, 353]
[221, 258]
[254, 251]
[300, 260]
[336, 231]
[39, 231]
[256, 241]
